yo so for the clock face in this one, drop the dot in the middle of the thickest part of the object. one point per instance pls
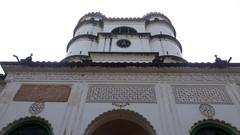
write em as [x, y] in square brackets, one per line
[123, 43]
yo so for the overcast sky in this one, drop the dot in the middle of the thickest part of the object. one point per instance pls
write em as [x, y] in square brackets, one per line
[44, 27]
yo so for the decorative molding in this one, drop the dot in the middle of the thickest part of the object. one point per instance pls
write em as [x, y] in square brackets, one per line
[121, 93]
[43, 93]
[76, 76]
[207, 110]
[36, 108]
[122, 57]
[195, 94]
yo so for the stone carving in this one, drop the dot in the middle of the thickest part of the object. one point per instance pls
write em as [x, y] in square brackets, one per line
[44, 93]
[121, 93]
[195, 94]
[36, 108]
[207, 110]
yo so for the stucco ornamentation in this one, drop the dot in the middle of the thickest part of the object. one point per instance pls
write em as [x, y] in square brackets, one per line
[195, 94]
[121, 93]
[207, 110]
[36, 108]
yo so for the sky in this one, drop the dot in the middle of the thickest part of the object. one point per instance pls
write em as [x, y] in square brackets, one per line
[44, 27]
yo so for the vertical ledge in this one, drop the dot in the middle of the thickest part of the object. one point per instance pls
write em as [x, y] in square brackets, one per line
[175, 117]
[6, 98]
[159, 95]
[77, 126]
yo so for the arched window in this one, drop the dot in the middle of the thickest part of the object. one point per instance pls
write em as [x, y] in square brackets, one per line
[213, 127]
[124, 30]
[28, 126]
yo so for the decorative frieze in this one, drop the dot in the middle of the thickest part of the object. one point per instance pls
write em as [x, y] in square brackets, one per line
[43, 93]
[121, 93]
[195, 94]
[77, 76]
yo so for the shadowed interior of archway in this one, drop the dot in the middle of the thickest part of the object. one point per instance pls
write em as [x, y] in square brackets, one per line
[120, 127]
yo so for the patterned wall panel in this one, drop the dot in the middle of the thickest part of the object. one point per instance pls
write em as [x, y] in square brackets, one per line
[130, 93]
[44, 93]
[195, 94]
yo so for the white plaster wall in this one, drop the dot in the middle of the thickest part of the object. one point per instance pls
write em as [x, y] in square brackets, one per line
[163, 46]
[53, 112]
[84, 45]
[190, 114]
[159, 28]
[75, 115]
[88, 29]
[137, 44]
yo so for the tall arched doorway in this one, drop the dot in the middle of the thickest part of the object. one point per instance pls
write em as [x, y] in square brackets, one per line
[120, 127]
[213, 127]
[120, 122]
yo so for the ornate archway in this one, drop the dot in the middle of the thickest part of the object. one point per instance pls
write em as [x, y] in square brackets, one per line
[213, 127]
[28, 125]
[119, 122]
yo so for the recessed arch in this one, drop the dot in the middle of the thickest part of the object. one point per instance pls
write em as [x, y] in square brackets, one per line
[130, 119]
[26, 125]
[124, 30]
[213, 127]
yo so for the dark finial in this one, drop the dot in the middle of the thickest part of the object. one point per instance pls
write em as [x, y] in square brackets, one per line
[16, 57]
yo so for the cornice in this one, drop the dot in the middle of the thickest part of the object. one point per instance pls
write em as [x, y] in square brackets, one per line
[120, 66]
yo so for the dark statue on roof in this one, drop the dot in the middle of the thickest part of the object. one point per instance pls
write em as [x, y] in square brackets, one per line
[26, 60]
[221, 63]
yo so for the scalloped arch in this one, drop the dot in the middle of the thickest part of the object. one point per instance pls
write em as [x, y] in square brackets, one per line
[213, 123]
[123, 115]
[41, 121]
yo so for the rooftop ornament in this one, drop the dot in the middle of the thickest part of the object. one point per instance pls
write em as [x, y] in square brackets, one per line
[221, 63]
[26, 60]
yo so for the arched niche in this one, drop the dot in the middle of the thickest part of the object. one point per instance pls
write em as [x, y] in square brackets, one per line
[28, 126]
[124, 30]
[120, 122]
[213, 127]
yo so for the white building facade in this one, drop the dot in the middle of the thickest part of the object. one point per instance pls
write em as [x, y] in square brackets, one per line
[121, 76]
